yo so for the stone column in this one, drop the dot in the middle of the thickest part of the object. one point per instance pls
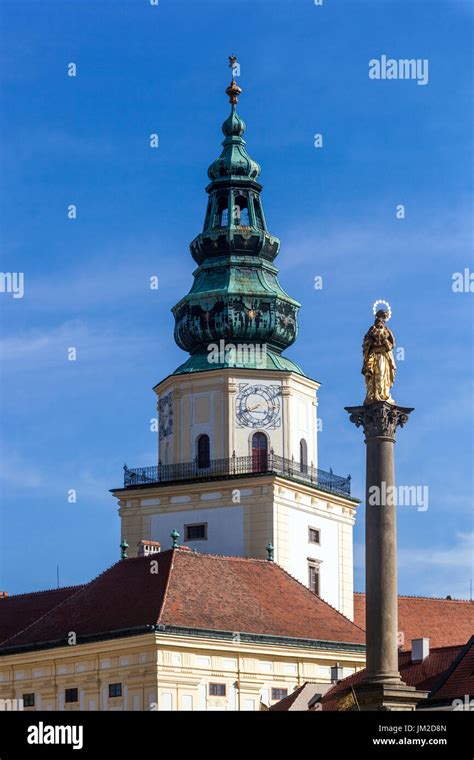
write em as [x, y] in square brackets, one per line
[384, 688]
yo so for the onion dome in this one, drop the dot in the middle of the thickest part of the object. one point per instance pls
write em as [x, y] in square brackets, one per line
[236, 297]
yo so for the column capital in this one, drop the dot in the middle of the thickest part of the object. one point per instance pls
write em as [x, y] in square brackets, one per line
[380, 419]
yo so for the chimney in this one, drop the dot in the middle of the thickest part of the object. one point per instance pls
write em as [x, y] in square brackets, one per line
[336, 673]
[147, 547]
[420, 649]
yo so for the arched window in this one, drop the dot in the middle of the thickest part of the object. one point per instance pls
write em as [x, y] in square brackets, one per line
[259, 452]
[303, 456]
[241, 212]
[203, 452]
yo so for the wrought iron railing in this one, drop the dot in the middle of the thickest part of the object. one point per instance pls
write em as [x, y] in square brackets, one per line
[223, 468]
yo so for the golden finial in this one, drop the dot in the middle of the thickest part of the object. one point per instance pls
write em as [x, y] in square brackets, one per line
[233, 90]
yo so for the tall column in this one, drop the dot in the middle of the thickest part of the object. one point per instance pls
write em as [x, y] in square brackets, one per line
[382, 687]
[379, 421]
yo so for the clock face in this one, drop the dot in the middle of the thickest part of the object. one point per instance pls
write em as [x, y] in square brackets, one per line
[258, 406]
[165, 408]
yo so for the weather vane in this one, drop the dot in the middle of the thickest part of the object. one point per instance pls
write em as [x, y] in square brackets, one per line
[233, 90]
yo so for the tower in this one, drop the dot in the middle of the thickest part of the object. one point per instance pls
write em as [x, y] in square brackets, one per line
[238, 462]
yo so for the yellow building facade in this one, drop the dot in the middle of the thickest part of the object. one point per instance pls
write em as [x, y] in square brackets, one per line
[165, 671]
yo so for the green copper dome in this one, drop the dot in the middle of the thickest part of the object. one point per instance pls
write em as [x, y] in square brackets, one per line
[234, 161]
[236, 301]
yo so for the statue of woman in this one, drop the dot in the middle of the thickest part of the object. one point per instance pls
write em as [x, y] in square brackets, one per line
[379, 365]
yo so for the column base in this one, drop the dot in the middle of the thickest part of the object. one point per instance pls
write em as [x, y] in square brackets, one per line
[387, 696]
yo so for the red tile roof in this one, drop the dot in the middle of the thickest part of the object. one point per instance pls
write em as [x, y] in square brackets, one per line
[458, 681]
[18, 612]
[444, 621]
[190, 590]
[447, 674]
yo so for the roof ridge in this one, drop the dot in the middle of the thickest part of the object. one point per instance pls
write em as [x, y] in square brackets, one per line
[167, 585]
[41, 617]
[420, 596]
[43, 591]
[79, 589]
[195, 553]
[450, 670]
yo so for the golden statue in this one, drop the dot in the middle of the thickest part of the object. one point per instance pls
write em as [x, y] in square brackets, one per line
[379, 365]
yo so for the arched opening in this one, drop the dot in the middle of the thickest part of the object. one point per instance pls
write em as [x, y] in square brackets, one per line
[259, 452]
[303, 456]
[208, 214]
[241, 212]
[222, 215]
[258, 215]
[203, 452]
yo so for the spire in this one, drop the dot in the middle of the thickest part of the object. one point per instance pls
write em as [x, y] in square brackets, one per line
[236, 296]
[234, 161]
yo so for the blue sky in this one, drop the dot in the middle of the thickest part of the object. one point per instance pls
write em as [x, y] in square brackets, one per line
[84, 140]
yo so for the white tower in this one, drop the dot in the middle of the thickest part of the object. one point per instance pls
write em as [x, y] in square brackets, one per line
[238, 465]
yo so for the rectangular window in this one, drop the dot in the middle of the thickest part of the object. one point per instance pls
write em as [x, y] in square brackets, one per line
[197, 532]
[217, 690]
[71, 695]
[314, 578]
[278, 694]
[115, 689]
[28, 700]
[314, 535]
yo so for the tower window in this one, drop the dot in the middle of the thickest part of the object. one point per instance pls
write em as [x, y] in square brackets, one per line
[241, 212]
[197, 532]
[303, 456]
[259, 452]
[221, 218]
[314, 535]
[203, 452]
[314, 577]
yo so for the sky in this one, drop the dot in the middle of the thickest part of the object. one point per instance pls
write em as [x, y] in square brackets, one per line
[144, 69]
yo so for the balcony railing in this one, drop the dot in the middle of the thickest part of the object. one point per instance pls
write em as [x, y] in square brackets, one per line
[238, 466]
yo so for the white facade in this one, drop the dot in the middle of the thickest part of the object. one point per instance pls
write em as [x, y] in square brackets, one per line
[230, 408]
[224, 528]
[241, 510]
